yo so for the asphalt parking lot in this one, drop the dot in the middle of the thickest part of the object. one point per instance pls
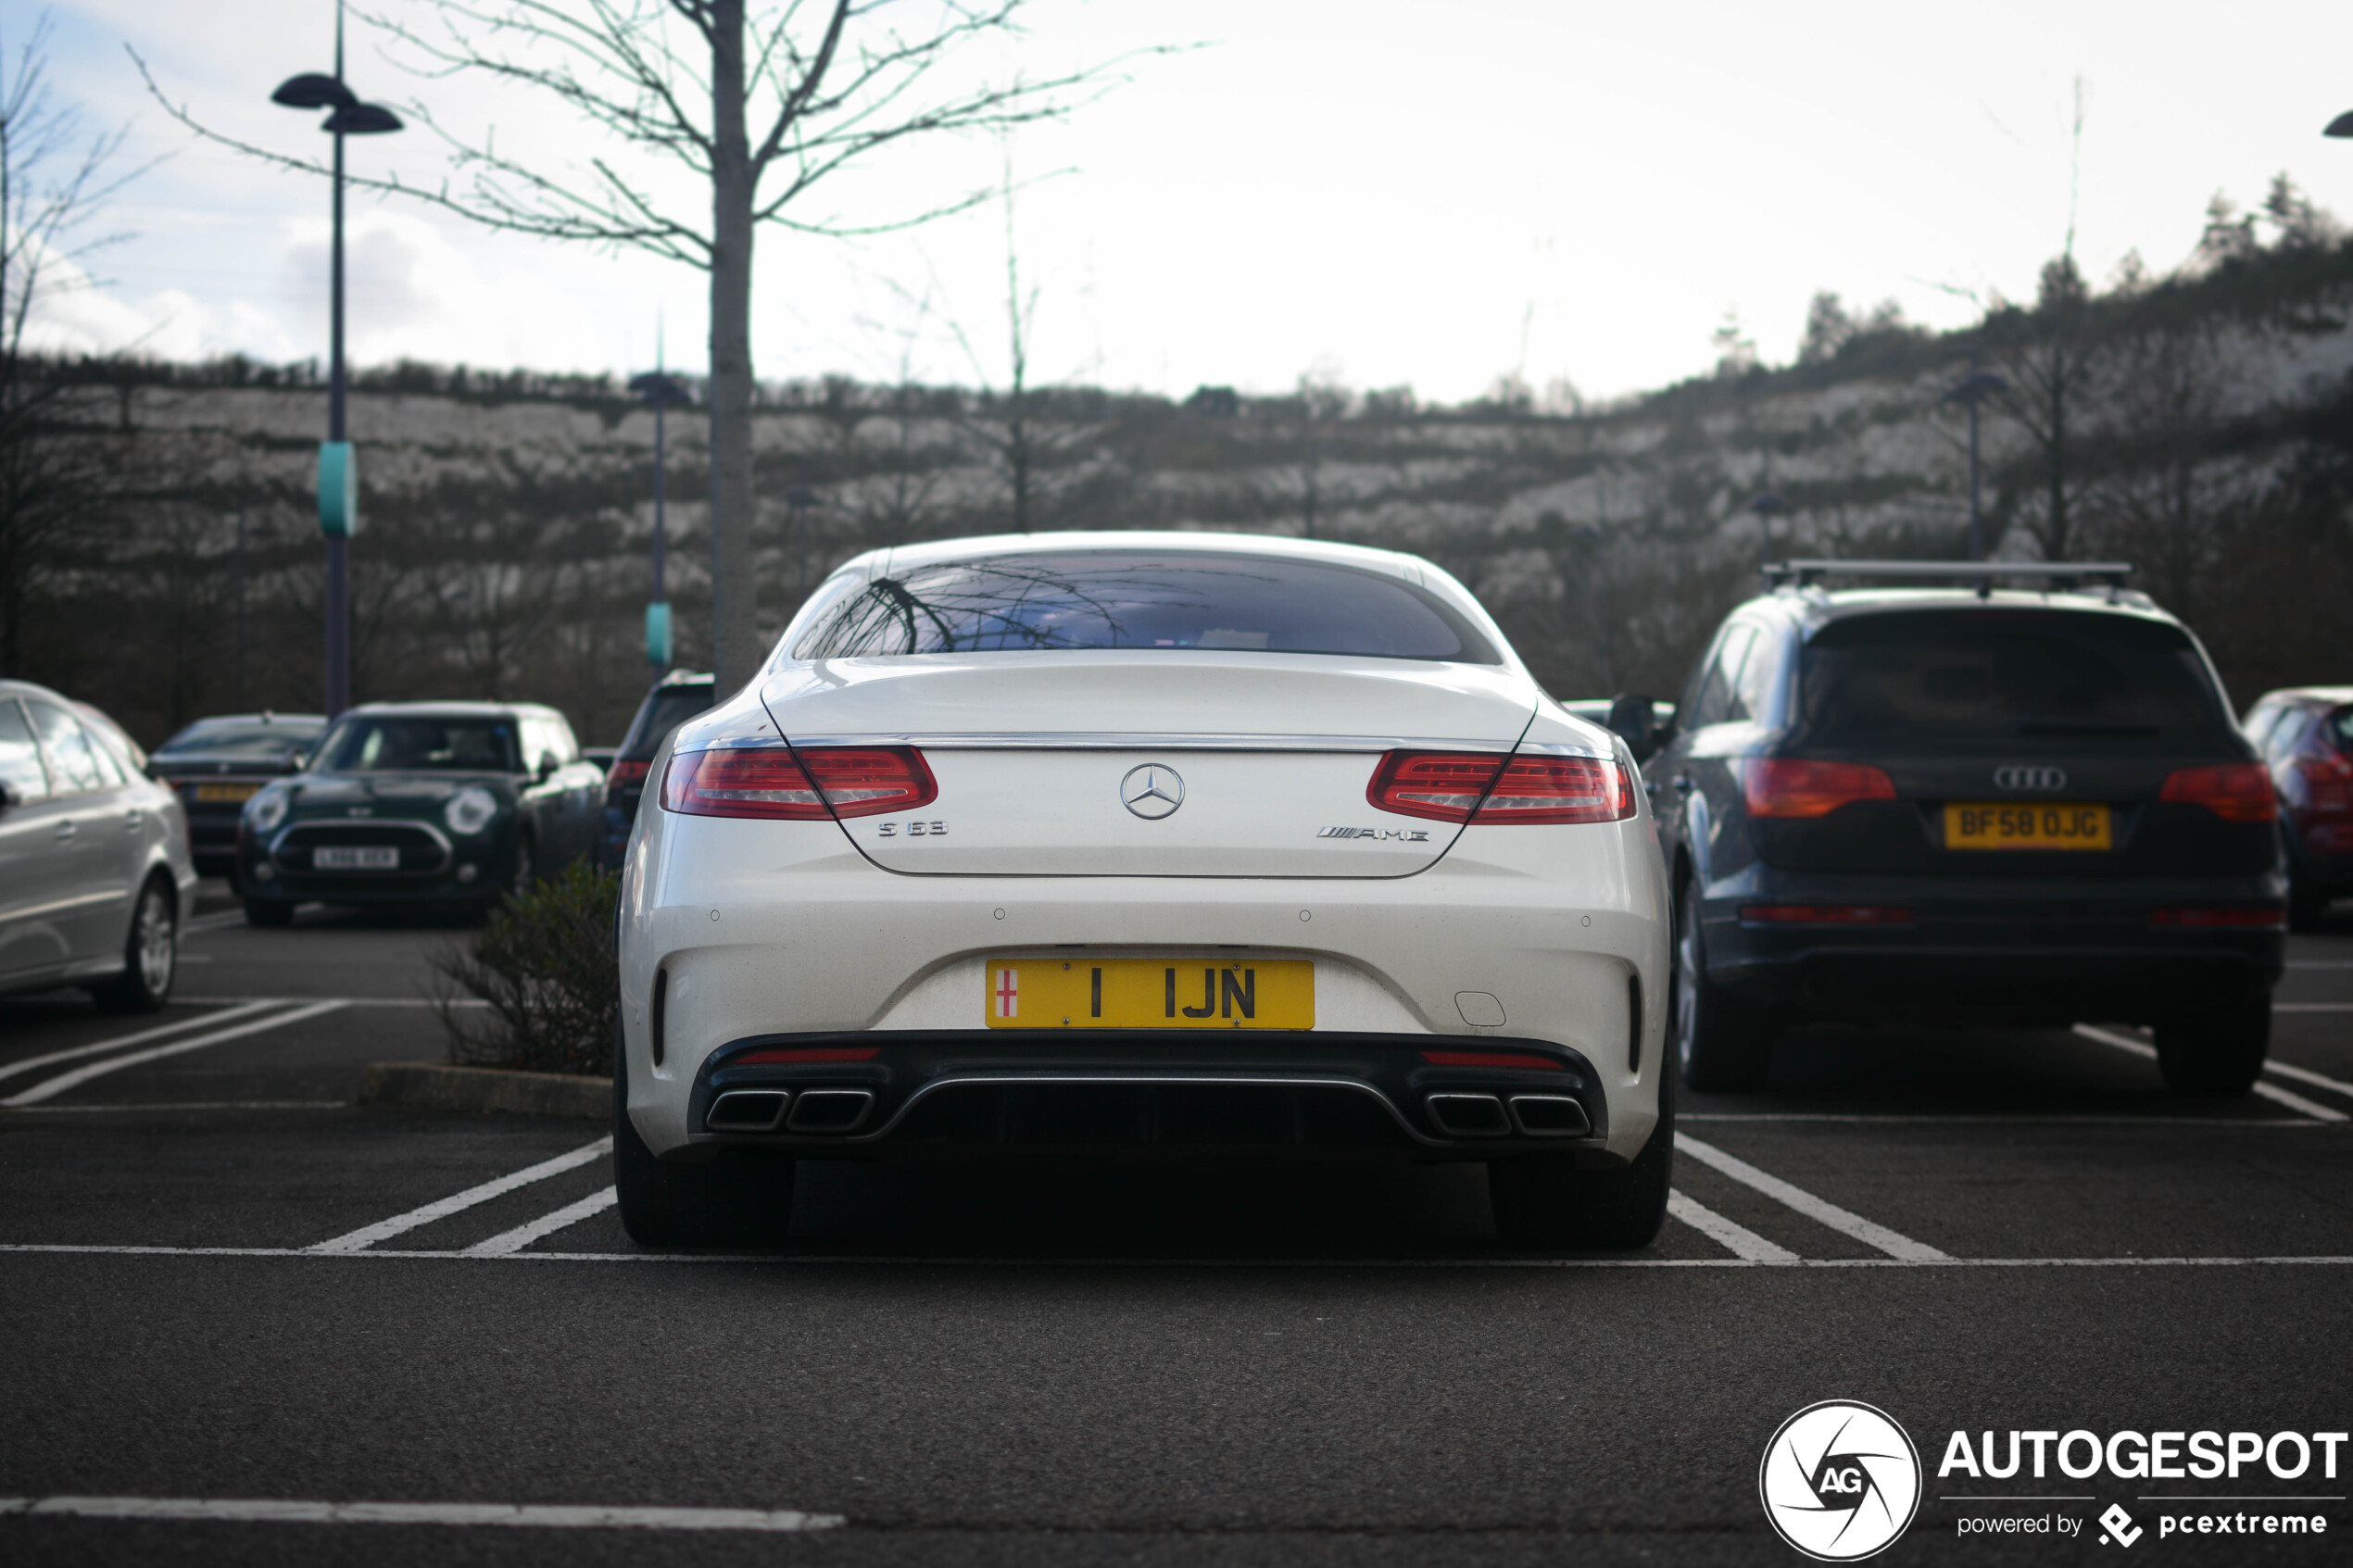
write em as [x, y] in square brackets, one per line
[248, 1320]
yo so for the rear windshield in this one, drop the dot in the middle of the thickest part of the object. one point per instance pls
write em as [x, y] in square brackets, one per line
[388, 746]
[666, 710]
[1992, 673]
[1134, 599]
[245, 740]
[2338, 728]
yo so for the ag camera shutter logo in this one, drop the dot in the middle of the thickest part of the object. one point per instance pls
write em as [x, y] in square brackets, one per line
[1840, 1481]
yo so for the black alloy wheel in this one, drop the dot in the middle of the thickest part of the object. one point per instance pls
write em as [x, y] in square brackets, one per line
[1725, 1045]
[1543, 1200]
[2217, 1051]
[150, 953]
[741, 1199]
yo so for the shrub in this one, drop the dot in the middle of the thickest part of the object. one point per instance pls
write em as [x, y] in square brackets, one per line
[544, 962]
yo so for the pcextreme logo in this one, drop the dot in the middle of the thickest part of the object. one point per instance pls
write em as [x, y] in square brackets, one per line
[1840, 1481]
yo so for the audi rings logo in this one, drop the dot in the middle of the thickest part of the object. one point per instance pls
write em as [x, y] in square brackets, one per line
[2018, 777]
[1841, 1481]
[1151, 791]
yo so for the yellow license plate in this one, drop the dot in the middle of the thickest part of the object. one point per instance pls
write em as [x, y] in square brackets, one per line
[2005, 826]
[1151, 993]
[226, 792]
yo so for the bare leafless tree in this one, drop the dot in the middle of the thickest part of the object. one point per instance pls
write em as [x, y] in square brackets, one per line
[763, 105]
[56, 180]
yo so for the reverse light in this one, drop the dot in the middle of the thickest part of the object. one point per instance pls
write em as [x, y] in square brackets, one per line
[1796, 786]
[2260, 918]
[2236, 792]
[771, 781]
[1449, 787]
[1823, 914]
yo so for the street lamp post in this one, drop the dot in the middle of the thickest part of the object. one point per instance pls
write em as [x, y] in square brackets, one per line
[661, 393]
[338, 478]
[1973, 390]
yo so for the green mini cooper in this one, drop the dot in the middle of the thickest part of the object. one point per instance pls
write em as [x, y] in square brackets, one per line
[421, 803]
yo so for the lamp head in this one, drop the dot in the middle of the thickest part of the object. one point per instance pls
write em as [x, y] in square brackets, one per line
[361, 120]
[313, 91]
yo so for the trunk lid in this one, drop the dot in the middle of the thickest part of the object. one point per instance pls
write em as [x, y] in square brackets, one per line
[1237, 764]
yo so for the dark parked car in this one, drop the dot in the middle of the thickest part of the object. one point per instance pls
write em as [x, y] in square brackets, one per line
[420, 803]
[216, 765]
[675, 698]
[2306, 737]
[1953, 805]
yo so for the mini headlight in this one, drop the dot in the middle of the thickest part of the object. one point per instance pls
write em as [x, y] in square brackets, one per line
[469, 810]
[269, 808]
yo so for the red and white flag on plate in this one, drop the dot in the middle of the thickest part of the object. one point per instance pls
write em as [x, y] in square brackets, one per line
[1009, 992]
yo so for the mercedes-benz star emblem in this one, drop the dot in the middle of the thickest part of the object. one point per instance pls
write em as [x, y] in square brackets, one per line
[1151, 791]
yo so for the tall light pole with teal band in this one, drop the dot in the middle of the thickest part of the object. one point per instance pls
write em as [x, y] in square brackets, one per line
[338, 475]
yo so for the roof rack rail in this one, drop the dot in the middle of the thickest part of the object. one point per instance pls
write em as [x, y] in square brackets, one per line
[2060, 574]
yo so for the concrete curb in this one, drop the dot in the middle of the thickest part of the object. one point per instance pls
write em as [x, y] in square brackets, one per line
[434, 1086]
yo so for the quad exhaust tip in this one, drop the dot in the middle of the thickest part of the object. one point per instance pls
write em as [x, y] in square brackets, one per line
[748, 1110]
[1531, 1116]
[829, 1110]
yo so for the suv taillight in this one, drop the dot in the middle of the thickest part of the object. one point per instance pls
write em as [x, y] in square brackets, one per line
[2236, 792]
[849, 780]
[1449, 787]
[1793, 786]
[2328, 783]
[624, 775]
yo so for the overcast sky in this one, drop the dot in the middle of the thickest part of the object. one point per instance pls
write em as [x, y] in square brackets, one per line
[1383, 193]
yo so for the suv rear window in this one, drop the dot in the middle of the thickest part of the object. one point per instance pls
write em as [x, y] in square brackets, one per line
[665, 709]
[1964, 674]
[1134, 599]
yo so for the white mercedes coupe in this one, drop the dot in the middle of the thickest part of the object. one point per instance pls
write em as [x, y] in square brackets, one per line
[1143, 845]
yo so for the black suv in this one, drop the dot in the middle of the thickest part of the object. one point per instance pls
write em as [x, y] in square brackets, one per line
[1965, 805]
[674, 699]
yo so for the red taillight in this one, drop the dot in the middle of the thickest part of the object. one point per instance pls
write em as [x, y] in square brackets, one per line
[2236, 792]
[854, 781]
[1793, 786]
[1448, 787]
[624, 775]
[2328, 783]
[817, 1053]
[2265, 918]
[1824, 914]
[1489, 1059]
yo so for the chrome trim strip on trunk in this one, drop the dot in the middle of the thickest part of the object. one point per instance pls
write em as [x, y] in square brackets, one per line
[1077, 740]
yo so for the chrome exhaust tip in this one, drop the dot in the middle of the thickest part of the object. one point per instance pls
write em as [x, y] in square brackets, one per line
[747, 1111]
[830, 1111]
[1550, 1116]
[1467, 1116]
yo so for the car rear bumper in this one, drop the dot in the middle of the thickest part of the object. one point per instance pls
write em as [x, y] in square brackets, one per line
[2048, 953]
[1141, 1095]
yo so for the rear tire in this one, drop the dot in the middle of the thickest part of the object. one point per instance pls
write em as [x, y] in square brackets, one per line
[268, 914]
[150, 953]
[1543, 1200]
[2306, 903]
[742, 1199]
[2218, 1052]
[1726, 1046]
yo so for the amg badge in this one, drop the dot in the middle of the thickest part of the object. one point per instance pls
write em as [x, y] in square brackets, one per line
[1401, 835]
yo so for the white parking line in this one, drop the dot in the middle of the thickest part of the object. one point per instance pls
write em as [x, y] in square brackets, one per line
[368, 1236]
[348, 1001]
[2306, 1075]
[1867, 1231]
[243, 1009]
[813, 1260]
[49, 1088]
[1898, 1118]
[1734, 1236]
[220, 920]
[2271, 1092]
[546, 1224]
[183, 1105]
[541, 1516]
